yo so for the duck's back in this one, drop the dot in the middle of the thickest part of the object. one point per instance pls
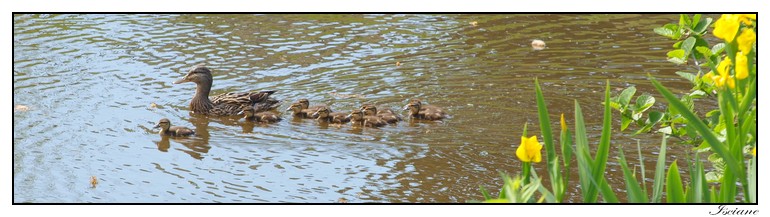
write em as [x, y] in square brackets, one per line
[180, 131]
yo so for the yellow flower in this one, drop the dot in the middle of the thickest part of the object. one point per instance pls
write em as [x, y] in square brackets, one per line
[709, 77]
[727, 26]
[724, 67]
[741, 66]
[746, 40]
[720, 81]
[563, 124]
[747, 19]
[754, 152]
[529, 150]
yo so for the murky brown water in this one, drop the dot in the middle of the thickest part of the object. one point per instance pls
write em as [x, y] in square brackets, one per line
[89, 81]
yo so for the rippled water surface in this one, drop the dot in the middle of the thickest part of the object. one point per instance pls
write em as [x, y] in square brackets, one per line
[89, 81]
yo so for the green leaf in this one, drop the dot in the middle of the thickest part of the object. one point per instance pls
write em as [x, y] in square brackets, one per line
[625, 97]
[485, 193]
[624, 122]
[718, 48]
[676, 56]
[657, 185]
[545, 128]
[667, 32]
[643, 103]
[635, 194]
[674, 190]
[752, 176]
[687, 46]
[585, 164]
[689, 76]
[701, 27]
[695, 20]
[704, 50]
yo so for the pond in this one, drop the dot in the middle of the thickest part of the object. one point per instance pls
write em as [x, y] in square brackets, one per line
[93, 86]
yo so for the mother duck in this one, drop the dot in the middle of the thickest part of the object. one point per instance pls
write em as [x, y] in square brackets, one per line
[224, 104]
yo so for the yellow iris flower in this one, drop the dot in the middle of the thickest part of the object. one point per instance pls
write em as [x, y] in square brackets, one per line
[747, 19]
[563, 124]
[726, 27]
[529, 150]
[741, 66]
[724, 74]
[746, 40]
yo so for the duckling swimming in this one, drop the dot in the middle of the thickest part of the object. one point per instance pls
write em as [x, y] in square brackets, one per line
[386, 114]
[357, 117]
[264, 117]
[167, 130]
[326, 114]
[425, 112]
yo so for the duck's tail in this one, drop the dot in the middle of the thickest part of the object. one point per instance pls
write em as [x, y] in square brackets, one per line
[263, 101]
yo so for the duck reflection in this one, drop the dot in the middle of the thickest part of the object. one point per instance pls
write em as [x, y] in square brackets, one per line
[196, 146]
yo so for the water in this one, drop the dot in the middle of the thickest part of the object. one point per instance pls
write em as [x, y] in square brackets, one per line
[89, 82]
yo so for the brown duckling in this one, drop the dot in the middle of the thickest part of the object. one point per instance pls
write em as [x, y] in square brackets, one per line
[223, 104]
[264, 117]
[357, 117]
[386, 114]
[167, 130]
[326, 114]
[306, 105]
[425, 112]
[297, 110]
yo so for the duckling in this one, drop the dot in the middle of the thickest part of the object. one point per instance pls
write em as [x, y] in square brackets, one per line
[264, 117]
[306, 105]
[223, 104]
[167, 130]
[297, 110]
[426, 112]
[326, 114]
[357, 117]
[386, 114]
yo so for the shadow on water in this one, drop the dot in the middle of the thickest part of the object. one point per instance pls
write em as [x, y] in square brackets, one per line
[88, 80]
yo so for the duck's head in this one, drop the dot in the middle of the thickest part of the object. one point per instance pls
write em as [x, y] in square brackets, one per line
[295, 107]
[413, 106]
[198, 74]
[305, 103]
[247, 112]
[356, 114]
[163, 124]
[369, 109]
[322, 112]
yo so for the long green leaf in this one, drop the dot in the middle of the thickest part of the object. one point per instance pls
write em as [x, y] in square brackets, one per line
[657, 185]
[602, 153]
[545, 129]
[635, 194]
[674, 191]
[702, 129]
[583, 157]
[752, 182]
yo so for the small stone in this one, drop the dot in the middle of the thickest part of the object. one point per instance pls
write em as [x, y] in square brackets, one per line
[21, 108]
[538, 44]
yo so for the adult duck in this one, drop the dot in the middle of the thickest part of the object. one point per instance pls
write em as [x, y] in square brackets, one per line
[224, 104]
[417, 110]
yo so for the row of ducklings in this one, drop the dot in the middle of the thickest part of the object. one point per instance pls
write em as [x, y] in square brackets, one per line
[368, 115]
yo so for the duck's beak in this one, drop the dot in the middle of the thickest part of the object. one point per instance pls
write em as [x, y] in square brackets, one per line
[240, 113]
[156, 126]
[406, 107]
[183, 80]
[314, 115]
[349, 116]
[288, 109]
